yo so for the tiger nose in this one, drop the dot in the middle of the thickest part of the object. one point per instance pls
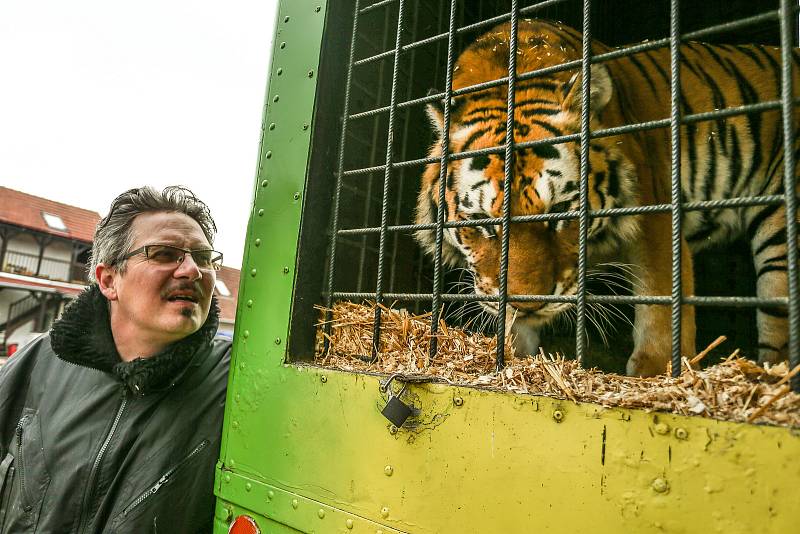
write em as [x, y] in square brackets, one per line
[534, 305]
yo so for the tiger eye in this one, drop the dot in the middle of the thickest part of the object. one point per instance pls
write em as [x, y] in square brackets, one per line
[479, 163]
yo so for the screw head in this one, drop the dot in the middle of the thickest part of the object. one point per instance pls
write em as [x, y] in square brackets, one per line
[305, 126]
[257, 242]
[321, 513]
[323, 379]
[285, 270]
[228, 514]
[286, 19]
[283, 45]
[681, 433]
[660, 485]
[246, 333]
[317, 9]
[311, 74]
[261, 212]
[296, 196]
[458, 401]
[276, 98]
[248, 487]
[253, 272]
[558, 416]
[269, 154]
[295, 504]
[384, 512]
[250, 303]
[662, 428]
[264, 183]
[388, 470]
[349, 524]
[392, 429]
[270, 495]
[227, 478]
[272, 126]
[279, 71]
[277, 341]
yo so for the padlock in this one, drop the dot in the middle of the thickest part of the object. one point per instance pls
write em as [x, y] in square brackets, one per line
[396, 411]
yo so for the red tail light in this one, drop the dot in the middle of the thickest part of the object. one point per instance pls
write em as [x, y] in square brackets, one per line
[244, 525]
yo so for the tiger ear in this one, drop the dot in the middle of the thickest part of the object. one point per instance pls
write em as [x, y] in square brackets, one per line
[599, 94]
[435, 111]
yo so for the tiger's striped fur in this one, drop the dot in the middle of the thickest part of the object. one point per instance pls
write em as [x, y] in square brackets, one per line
[724, 158]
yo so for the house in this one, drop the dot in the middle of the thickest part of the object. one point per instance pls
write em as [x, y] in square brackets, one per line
[45, 248]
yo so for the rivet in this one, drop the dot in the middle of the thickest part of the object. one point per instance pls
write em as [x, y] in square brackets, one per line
[272, 126]
[237, 398]
[246, 333]
[248, 487]
[388, 470]
[660, 485]
[269, 154]
[286, 19]
[379, 531]
[232, 464]
[227, 478]
[285, 270]
[384, 512]
[228, 514]
[321, 513]
[276, 98]
[253, 272]
[316, 9]
[558, 416]
[261, 212]
[681, 433]
[305, 126]
[296, 196]
[257, 242]
[280, 71]
[283, 45]
[242, 366]
[392, 429]
[662, 428]
[264, 183]
[295, 504]
[250, 303]
[458, 401]
[323, 379]
[277, 341]
[270, 495]
[349, 524]
[311, 74]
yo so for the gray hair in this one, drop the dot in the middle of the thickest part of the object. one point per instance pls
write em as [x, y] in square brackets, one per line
[113, 237]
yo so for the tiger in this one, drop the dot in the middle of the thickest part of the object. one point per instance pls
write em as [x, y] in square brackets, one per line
[737, 156]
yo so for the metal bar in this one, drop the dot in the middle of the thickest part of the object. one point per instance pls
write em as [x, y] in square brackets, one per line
[658, 300]
[376, 332]
[441, 209]
[376, 5]
[699, 205]
[508, 178]
[583, 203]
[596, 134]
[338, 188]
[675, 179]
[789, 186]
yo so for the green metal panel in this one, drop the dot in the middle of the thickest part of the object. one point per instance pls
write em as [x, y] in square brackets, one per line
[306, 449]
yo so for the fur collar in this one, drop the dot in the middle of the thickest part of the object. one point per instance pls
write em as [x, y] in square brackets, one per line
[82, 336]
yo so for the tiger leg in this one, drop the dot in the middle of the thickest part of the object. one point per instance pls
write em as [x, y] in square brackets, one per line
[652, 329]
[767, 231]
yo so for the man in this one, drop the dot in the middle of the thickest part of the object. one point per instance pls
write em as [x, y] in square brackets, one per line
[111, 423]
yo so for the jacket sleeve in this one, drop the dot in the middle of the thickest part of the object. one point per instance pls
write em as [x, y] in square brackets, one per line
[15, 377]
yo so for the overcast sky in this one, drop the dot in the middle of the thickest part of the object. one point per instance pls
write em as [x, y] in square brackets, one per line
[97, 97]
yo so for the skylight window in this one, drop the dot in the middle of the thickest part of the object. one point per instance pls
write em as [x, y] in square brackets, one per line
[54, 221]
[222, 289]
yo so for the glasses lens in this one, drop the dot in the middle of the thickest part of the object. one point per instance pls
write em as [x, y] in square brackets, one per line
[163, 254]
[202, 258]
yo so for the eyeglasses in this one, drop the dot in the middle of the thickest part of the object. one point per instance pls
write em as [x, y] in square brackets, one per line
[205, 259]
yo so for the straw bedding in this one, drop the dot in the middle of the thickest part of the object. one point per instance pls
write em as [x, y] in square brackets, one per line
[734, 390]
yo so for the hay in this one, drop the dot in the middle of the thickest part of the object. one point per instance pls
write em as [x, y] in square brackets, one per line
[734, 390]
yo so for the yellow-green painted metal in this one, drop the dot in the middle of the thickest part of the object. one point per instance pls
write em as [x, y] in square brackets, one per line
[306, 449]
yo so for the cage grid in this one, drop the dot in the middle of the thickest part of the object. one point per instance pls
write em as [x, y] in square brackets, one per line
[387, 94]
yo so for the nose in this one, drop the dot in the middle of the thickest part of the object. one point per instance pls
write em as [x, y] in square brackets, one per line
[188, 269]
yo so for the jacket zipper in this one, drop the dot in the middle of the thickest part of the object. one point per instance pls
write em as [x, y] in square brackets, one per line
[21, 463]
[164, 478]
[98, 459]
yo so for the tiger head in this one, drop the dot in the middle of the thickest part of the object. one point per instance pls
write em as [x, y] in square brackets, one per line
[542, 256]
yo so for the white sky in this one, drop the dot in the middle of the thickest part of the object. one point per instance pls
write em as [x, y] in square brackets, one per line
[97, 97]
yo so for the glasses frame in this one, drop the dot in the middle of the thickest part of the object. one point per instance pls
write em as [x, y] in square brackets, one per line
[216, 262]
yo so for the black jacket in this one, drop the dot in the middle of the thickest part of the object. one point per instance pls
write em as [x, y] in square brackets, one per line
[89, 443]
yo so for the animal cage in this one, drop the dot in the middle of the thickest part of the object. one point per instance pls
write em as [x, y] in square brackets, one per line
[346, 138]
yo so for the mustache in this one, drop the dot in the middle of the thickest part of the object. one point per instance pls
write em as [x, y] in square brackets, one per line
[194, 287]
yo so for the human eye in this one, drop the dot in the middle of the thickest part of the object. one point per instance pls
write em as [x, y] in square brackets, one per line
[163, 253]
[202, 257]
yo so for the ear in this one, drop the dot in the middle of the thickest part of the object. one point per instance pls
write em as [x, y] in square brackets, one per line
[599, 94]
[106, 277]
[435, 111]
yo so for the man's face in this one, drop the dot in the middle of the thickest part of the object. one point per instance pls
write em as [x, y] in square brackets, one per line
[144, 296]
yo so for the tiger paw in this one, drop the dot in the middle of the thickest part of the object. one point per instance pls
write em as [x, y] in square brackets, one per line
[646, 364]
